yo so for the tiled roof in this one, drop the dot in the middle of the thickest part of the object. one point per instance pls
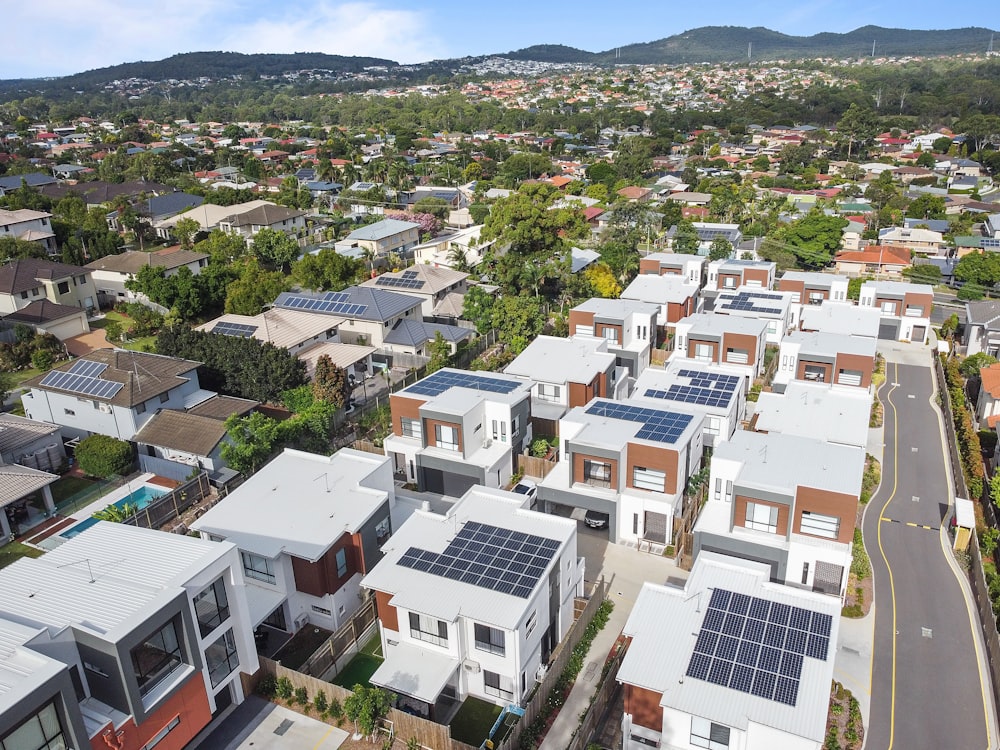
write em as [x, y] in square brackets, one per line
[990, 377]
[41, 311]
[133, 261]
[182, 431]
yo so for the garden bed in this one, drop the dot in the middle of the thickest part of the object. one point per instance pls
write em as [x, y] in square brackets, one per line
[844, 727]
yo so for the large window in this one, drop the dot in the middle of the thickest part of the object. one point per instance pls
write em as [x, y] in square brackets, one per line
[410, 428]
[63, 287]
[609, 333]
[258, 567]
[40, 732]
[737, 356]
[497, 685]
[341, 563]
[156, 657]
[490, 640]
[817, 524]
[221, 657]
[548, 392]
[762, 518]
[212, 607]
[708, 734]
[428, 629]
[596, 473]
[889, 308]
[446, 437]
[648, 479]
[703, 352]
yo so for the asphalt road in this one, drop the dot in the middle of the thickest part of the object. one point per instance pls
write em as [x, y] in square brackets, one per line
[926, 685]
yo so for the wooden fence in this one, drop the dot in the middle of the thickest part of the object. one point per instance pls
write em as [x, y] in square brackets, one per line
[367, 446]
[530, 466]
[168, 507]
[342, 645]
[658, 357]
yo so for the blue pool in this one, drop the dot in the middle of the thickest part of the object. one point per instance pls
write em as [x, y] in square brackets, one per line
[140, 497]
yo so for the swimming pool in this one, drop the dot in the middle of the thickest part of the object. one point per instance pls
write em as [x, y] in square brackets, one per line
[140, 498]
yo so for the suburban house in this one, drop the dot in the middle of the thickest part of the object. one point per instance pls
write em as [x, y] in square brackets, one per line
[982, 327]
[689, 267]
[43, 289]
[785, 500]
[811, 288]
[381, 238]
[841, 318]
[21, 439]
[122, 637]
[62, 321]
[455, 429]
[709, 231]
[246, 224]
[724, 340]
[905, 308]
[112, 271]
[630, 460]
[564, 374]
[308, 527]
[414, 337]
[774, 308]
[838, 414]
[988, 402]
[733, 274]
[713, 689]
[430, 283]
[886, 260]
[458, 250]
[473, 602]
[676, 297]
[832, 358]
[629, 327]
[916, 240]
[112, 392]
[708, 389]
[30, 226]
[294, 330]
[208, 216]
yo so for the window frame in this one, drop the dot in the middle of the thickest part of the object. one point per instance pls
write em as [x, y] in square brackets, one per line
[707, 734]
[266, 575]
[411, 428]
[644, 478]
[596, 479]
[498, 689]
[439, 441]
[230, 660]
[341, 559]
[754, 523]
[44, 726]
[171, 659]
[220, 612]
[820, 525]
[489, 639]
[417, 624]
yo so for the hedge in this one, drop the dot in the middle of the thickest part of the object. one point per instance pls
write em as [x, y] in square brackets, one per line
[965, 431]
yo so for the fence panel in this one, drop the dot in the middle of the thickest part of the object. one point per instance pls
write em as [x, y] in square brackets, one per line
[167, 507]
[534, 467]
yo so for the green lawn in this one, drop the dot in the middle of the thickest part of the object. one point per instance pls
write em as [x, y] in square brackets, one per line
[360, 669]
[135, 344]
[66, 487]
[14, 551]
[473, 721]
[302, 645]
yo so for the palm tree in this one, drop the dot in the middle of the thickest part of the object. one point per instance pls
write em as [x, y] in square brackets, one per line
[458, 259]
[117, 513]
[369, 256]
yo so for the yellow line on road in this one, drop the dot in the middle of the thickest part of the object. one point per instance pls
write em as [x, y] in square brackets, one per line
[323, 739]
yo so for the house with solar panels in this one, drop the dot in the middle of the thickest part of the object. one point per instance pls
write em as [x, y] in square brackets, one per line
[707, 231]
[775, 308]
[456, 429]
[691, 268]
[812, 289]
[675, 297]
[430, 283]
[732, 274]
[825, 358]
[629, 326]
[472, 603]
[630, 460]
[905, 309]
[786, 500]
[749, 663]
[728, 340]
[717, 392]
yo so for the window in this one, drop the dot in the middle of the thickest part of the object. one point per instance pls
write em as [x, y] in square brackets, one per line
[383, 530]
[611, 334]
[42, 731]
[503, 432]
[548, 392]
[158, 737]
[718, 489]
[164, 397]
[257, 567]
[762, 518]
[427, 629]
[737, 356]
[69, 412]
[211, 607]
[156, 657]
[796, 297]
[446, 437]
[63, 287]
[705, 733]
[703, 352]
[140, 408]
[729, 490]
[914, 311]
[817, 524]
[24, 295]
[849, 377]
[34, 292]
[596, 473]
[889, 308]
[644, 740]
[411, 428]
[341, 563]
[490, 640]
[515, 426]
[82, 280]
[321, 611]
[530, 624]
[815, 298]
[497, 685]
[713, 425]
[648, 479]
[221, 657]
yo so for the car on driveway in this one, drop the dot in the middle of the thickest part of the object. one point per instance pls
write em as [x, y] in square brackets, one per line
[596, 520]
[528, 488]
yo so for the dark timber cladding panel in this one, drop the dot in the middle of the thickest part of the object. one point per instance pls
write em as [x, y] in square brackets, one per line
[644, 707]
[386, 612]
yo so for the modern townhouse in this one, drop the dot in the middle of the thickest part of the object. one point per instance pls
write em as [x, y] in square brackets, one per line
[29, 226]
[711, 390]
[308, 527]
[808, 409]
[112, 392]
[673, 294]
[564, 374]
[381, 238]
[723, 339]
[112, 271]
[455, 429]
[905, 308]
[629, 327]
[988, 401]
[748, 667]
[473, 602]
[431, 284]
[842, 318]
[775, 308]
[982, 327]
[785, 500]
[122, 637]
[691, 268]
[825, 358]
[629, 460]
[732, 274]
[812, 289]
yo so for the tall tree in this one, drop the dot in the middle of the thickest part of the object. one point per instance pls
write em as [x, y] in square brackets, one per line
[330, 382]
[255, 288]
[858, 128]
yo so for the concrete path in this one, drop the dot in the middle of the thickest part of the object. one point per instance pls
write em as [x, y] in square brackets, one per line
[853, 668]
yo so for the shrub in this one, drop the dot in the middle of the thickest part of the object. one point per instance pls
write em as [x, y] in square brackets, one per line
[104, 456]
[302, 697]
[540, 448]
[320, 703]
[861, 566]
[335, 711]
[283, 688]
[267, 685]
[42, 359]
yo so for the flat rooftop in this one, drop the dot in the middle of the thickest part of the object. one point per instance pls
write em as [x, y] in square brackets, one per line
[606, 422]
[717, 325]
[659, 290]
[841, 318]
[839, 414]
[551, 359]
[817, 342]
[616, 308]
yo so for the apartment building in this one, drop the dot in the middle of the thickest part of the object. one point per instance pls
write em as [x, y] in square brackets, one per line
[811, 288]
[473, 602]
[629, 327]
[121, 637]
[825, 358]
[455, 429]
[691, 268]
[905, 308]
[724, 340]
[773, 307]
[674, 295]
[629, 460]
[788, 500]
[308, 528]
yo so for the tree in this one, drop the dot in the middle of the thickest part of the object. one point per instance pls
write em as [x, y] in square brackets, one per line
[440, 351]
[685, 239]
[982, 129]
[602, 281]
[721, 249]
[184, 230]
[633, 158]
[979, 268]
[438, 207]
[970, 292]
[941, 145]
[814, 238]
[326, 271]
[761, 163]
[274, 249]
[254, 288]
[477, 307]
[926, 207]
[7, 382]
[518, 320]
[923, 273]
[854, 288]
[926, 160]
[330, 382]
[250, 441]
[972, 364]
[104, 456]
[366, 706]
[858, 127]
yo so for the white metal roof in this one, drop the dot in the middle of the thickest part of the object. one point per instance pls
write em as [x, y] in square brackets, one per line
[830, 344]
[549, 359]
[841, 317]
[660, 289]
[417, 672]
[21, 669]
[710, 323]
[300, 503]
[664, 624]
[838, 414]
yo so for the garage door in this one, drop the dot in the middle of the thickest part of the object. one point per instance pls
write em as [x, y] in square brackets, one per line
[453, 485]
[888, 331]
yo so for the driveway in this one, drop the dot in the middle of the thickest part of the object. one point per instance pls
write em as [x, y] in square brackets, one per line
[928, 690]
[262, 725]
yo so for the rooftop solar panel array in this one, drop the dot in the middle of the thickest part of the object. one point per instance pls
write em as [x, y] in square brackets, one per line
[441, 381]
[234, 329]
[336, 305]
[84, 385]
[748, 301]
[408, 280]
[658, 425]
[509, 562]
[758, 646]
[88, 368]
[705, 389]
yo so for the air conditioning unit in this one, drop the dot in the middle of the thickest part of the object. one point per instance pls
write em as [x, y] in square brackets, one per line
[541, 672]
[488, 443]
[300, 622]
[471, 666]
[106, 408]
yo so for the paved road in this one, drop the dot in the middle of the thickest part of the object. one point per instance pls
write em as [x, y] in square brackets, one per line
[926, 685]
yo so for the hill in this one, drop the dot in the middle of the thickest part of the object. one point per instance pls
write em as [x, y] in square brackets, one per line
[552, 53]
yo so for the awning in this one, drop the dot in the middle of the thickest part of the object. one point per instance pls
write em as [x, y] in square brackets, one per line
[262, 602]
[965, 513]
[415, 672]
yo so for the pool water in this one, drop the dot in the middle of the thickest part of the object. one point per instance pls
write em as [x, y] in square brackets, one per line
[141, 497]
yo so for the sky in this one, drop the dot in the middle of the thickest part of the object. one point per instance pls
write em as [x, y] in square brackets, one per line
[70, 36]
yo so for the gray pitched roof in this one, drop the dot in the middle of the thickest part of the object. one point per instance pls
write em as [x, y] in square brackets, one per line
[984, 313]
[379, 304]
[416, 333]
[381, 229]
[22, 274]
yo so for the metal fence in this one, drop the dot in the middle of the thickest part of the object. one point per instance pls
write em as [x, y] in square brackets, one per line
[168, 507]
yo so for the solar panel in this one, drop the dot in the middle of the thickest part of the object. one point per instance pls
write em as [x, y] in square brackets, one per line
[443, 380]
[338, 306]
[742, 678]
[698, 666]
[480, 555]
[234, 329]
[786, 691]
[751, 302]
[336, 296]
[659, 426]
[82, 384]
[403, 282]
[88, 368]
